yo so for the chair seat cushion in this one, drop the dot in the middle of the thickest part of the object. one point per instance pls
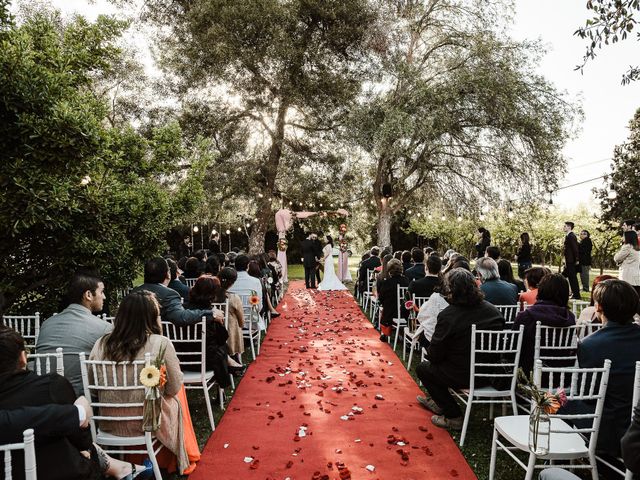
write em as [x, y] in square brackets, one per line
[104, 438]
[561, 445]
[195, 377]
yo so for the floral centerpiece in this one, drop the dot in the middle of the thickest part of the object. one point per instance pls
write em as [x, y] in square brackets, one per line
[545, 403]
[154, 378]
[283, 244]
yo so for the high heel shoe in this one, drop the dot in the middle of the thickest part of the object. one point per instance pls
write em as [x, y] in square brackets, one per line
[143, 474]
[275, 314]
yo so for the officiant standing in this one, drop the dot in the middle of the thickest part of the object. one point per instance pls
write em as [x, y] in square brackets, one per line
[310, 257]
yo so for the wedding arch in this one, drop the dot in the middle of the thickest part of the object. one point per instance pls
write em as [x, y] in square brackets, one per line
[284, 222]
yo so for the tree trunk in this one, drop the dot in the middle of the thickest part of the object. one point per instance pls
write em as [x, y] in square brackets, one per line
[384, 225]
[269, 171]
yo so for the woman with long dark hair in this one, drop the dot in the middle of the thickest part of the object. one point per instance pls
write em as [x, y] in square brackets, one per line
[388, 297]
[484, 240]
[628, 259]
[523, 255]
[136, 331]
[506, 274]
[228, 277]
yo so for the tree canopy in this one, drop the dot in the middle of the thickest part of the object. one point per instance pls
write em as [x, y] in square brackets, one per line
[76, 191]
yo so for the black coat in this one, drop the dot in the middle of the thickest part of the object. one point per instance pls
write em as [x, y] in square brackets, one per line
[570, 249]
[370, 263]
[57, 457]
[171, 308]
[47, 421]
[450, 349]
[584, 251]
[388, 298]
[310, 252]
[631, 444]
[416, 272]
[524, 253]
[423, 287]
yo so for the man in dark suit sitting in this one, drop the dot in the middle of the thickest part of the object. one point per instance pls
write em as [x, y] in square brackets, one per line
[156, 279]
[417, 271]
[370, 263]
[423, 287]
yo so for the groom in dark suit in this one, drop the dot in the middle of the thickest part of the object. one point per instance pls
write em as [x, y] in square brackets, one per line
[310, 256]
[571, 259]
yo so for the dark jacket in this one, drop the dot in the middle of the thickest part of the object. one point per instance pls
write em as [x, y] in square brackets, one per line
[57, 456]
[181, 288]
[369, 264]
[481, 246]
[423, 287]
[310, 252]
[499, 292]
[631, 444]
[49, 420]
[548, 314]
[524, 253]
[171, 309]
[570, 249]
[416, 272]
[214, 246]
[619, 343]
[584, 251]
[388, 298]
[450, 349]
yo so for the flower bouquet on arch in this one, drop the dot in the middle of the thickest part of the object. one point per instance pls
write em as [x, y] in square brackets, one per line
[283, 244]
[154, 378]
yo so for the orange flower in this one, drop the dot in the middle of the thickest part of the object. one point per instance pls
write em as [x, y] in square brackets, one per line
[254, 300]
[163, 376]
[551, 405]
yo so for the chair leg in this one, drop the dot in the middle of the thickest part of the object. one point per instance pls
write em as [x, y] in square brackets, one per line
[258, 343]
[531, 467]
[207, 399]
[395, 340]
[594, 467]
[491, 411]
[152, 456]
[253, 351]
[494, 450]
[467, 415]
[221, 397]
[410, 358]
[404, 348]
[514, 404]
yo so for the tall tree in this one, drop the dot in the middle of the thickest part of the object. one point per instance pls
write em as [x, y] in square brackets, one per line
[457, 112]
[287, 71]
[619, 198]
[75, 191]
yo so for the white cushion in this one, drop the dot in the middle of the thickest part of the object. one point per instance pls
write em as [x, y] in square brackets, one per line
[196, 377]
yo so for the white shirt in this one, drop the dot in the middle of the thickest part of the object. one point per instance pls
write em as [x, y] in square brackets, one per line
[245, 283]
[428, 314]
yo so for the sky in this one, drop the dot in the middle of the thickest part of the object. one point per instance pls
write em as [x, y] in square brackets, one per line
[607, 104]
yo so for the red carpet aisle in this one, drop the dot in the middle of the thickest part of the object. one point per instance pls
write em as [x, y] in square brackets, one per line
[327, 400]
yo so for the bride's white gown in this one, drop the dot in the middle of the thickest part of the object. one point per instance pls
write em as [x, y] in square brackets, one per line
[330, 280]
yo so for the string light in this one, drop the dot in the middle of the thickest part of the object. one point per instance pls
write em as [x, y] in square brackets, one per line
[260, 195]
[214, 232]
[430, 217]
[459, 218]
[409, 212]
[248, 225]
[239, 229]
[195, 228]
[228, 232]
[443, 218]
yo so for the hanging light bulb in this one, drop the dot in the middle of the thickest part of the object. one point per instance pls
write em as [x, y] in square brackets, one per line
[430, 217]
[409, 212]
[419, 214]
[214, 232]
[248, 225]
[290, 203]
[320, 205]
[459, 218]
[195, 228]
[228, 232]
[260, 195]
[443, 218]
[482, 217]
[239, 229]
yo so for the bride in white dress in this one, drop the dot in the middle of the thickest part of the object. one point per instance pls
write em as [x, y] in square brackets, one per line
[330, 280]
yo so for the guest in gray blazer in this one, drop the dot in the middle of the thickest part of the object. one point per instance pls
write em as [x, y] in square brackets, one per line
[76, 329]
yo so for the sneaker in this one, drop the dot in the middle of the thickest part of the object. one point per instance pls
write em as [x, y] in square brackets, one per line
[444, 422]
[429, 404]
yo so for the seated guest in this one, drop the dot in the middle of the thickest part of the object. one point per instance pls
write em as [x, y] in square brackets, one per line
[428, 251]
[235, 343]
[202, 295]
[245, 283]
[156, 279]
[496, 291]
[76, 329]
[212, 265]
[449, 353]
[388, 297]
[192, 268]
[588, 314]
[398, 255]
[382, 273]
[48, 420]
[62, 453]
[405, 257]
[616, 302]
[136, 331]
[423, 287]
[417, 271]
[176, 284]
[550, 310]
[506, 273]
[428, 314]
[492, 252]
[258, 269]
[369, 264]
[532, 279]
